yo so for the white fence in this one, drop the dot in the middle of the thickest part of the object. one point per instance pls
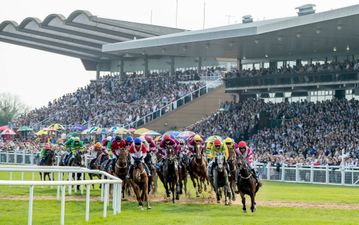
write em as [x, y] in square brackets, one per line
[105, 182]
[335, 175]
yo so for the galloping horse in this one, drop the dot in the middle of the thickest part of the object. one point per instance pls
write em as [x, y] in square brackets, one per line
[170, 174]
[139, 182]
[232, 163]
[151, 161]
[220, 179]
[74, 161]
[121, 169]
[182, 172]
[49, 161]
[247, 184]
[95, 164]
[198, 170]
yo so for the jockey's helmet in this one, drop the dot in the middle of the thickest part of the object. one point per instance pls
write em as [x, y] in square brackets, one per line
[242, 144]
[166, 137]
[138, 141]
[217, 143]
[109, 138]
[118, 138]
[48, 147]
[97, 145]
[197, 137]
[129, 139]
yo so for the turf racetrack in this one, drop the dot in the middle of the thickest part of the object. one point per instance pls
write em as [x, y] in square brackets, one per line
[277, 203]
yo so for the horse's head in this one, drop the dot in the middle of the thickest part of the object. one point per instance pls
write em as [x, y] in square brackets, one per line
[199, 151]
[78, 158]
[139, 169]
[220, 161]
[170, 154]
[242, 164]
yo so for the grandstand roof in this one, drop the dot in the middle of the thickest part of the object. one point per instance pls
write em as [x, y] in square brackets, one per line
[314, 34]
[80, 35]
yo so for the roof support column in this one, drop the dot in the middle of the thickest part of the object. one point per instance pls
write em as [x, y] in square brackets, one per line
[146, 65]
[122, 67]
[98, 70]
[298, 62]
[172, 64]
[199, 65]
[273, 65]
[239, 64]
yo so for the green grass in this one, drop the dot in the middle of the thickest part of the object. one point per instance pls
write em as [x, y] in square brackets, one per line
[48, 211]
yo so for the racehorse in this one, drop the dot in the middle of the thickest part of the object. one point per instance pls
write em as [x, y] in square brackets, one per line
[182, 172]
[170, 174]
[232, 163]
[151, 161]
[75, 161]
[95, 164]
[247, 184]
[198, 170]
[49, 161]
[121, 169]
[220, 179]
[139, 183]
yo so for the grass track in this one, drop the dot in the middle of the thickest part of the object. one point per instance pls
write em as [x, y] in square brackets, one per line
[48, 212]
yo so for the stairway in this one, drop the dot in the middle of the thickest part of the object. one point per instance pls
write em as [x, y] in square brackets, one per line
[191, 112]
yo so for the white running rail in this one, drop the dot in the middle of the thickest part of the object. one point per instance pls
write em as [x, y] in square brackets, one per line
[61, 186]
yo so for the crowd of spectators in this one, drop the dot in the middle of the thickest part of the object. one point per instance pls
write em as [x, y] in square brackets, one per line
[300, 69]
[309, 133]
[112, 101]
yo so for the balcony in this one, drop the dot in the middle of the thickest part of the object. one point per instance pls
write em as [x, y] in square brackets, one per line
[303, 81]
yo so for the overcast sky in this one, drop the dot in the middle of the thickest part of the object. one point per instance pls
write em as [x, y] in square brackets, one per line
[38, 77]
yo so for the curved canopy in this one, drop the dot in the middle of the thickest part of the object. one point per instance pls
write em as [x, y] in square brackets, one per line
[81, 35]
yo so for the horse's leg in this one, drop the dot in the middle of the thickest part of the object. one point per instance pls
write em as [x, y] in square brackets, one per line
[185, 184]
[233, 188]
[253, 206]
[137, 193]
[216, 188]
[243, 202]
[173, 185]
[194, 183]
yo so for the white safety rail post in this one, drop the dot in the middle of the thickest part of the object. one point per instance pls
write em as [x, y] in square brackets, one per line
[82, 186]
[283, 172]
[268, 170]
[342, 170]
[62, 219]
[327, 174]
[105, 202]
[102, 188]
[70, 186]
[297, 173]
[87, 202]
[31, 198]
[311, 173]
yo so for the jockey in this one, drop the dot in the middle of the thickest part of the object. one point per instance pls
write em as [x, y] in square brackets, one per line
[168, 142]
[116, 145]
[68, 144]
[209, 148]
[217, 146]
[129, 141]
[197, 139]
[44, 152]
[98, 149]
[151, 144]
[247, 155]
[76, 145]
[231, 145]
[106, 143]
[138, 150]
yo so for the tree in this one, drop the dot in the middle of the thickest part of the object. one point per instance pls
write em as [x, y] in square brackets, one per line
[10, 108]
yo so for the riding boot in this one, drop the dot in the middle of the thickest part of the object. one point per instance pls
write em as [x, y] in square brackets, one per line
[66, 158]
[228, 170]
[254, 173]
[129, 172]
[42, 162]
[148, 171]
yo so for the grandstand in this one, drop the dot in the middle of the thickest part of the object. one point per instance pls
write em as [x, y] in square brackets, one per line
[310, 56]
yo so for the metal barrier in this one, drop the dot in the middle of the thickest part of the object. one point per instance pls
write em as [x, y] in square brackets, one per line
[61, 185]
[334, 175]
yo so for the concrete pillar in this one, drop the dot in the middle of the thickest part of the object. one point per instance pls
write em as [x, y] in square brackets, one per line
[239, 64]
[298, 62]
[199, 64]
[122, 67]
[273, 65]
[98, 71]
[146, 65]
[172, 65]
